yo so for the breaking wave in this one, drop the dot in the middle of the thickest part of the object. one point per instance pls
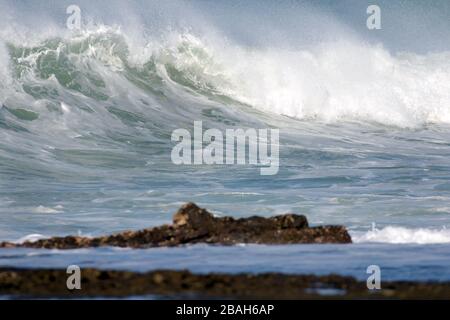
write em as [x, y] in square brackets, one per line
[86, 117]
[401, 235]
[95, 71]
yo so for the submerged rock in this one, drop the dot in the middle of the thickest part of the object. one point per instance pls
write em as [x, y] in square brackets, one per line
[192, 224]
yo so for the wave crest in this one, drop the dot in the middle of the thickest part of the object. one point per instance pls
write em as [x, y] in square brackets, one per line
[340, 81]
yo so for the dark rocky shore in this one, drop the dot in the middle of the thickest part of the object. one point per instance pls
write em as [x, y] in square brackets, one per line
[183, 284]
[192, 224]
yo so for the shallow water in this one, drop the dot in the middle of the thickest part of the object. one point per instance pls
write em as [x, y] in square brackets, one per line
[397, 262]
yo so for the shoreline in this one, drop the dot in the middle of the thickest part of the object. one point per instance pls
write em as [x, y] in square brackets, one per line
[162, 284]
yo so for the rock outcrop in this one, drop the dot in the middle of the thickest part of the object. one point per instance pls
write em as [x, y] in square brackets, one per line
[192, 224]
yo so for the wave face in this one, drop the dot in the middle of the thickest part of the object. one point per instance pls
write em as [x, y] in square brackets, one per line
[331, 82]
[86, 116]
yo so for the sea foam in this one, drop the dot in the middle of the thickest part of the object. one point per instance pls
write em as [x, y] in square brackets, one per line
[402, 235]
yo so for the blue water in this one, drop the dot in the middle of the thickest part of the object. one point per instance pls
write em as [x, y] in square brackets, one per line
[405, 262]
[86, 119]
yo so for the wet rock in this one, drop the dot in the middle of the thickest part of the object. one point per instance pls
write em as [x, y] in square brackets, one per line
[291, 221]
[192, 216]
[43, 283]
[192, 224]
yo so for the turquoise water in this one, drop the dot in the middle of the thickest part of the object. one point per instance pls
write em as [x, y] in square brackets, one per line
[86, 120]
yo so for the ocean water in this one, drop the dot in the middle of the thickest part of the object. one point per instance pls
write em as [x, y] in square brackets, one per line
[395, 262]
[86, 119]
